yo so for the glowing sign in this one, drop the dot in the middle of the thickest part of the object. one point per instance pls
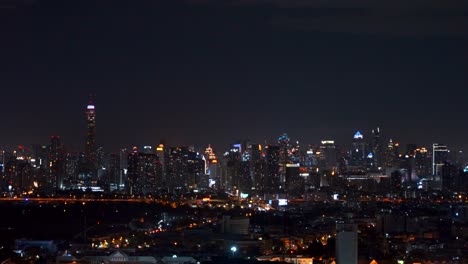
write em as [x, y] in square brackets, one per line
[211, 182]
[282, 202]
[238, 147]
[328, 142]
[91, 107]
[358, 135]
[283, 137]
[297, 165]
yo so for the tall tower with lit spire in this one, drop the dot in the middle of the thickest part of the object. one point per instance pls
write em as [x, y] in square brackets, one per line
[90, 148]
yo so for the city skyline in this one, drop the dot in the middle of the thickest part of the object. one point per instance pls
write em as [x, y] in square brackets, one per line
[91, 144]
[233, 131]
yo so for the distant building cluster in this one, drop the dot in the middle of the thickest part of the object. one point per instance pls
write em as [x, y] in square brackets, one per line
[281, 169]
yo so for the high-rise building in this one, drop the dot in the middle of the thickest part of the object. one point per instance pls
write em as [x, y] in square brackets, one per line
[346, 243]
[56, 163]
[423, 162]
[185, 168]
[294, 182]
[259, 176]
[358, 153]
[327, 156]
[19, 176]
[71, 167]
[233, 160]
[391, 154]
[162, 153]
[257, 168]
[272, 176]
[439, 157]
[449, 174]
[457, 159]
[256, 152]
[310, 158]
[377, 151]
[196, 169]
[209, 153]
[211, 165]
[123, 154]
[102, 163]
[176, 167]
[40, 155]
[113, 171]
[90, 147]
[141, 172]
[283, 144]
[246, 173]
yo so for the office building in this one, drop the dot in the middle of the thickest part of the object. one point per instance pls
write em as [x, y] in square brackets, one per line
[423, 162]
[56, 164]
[141, 172]
[90, 147]
[439, 157]
[377, 150]
[358, 152]
[346, 243]
[327, 156]
[272, 184]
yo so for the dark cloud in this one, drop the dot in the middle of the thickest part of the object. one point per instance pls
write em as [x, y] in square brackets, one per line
[9, 4]
[394, 18]
[216, 71]
[371, 23]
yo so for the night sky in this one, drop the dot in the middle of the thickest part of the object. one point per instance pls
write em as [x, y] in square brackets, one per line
[198, 72]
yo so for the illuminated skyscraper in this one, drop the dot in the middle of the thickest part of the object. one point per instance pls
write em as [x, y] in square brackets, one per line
[142, 174]
[123, 155]
[327, 156]
[272, 176]
[423, 162]
[283, 143]
[211, 167]
[56, 163]
[377, 152]
[439, 157]
[358, 153]
[391, 154]
[162, 153]
[233, 166]
[90, 148]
